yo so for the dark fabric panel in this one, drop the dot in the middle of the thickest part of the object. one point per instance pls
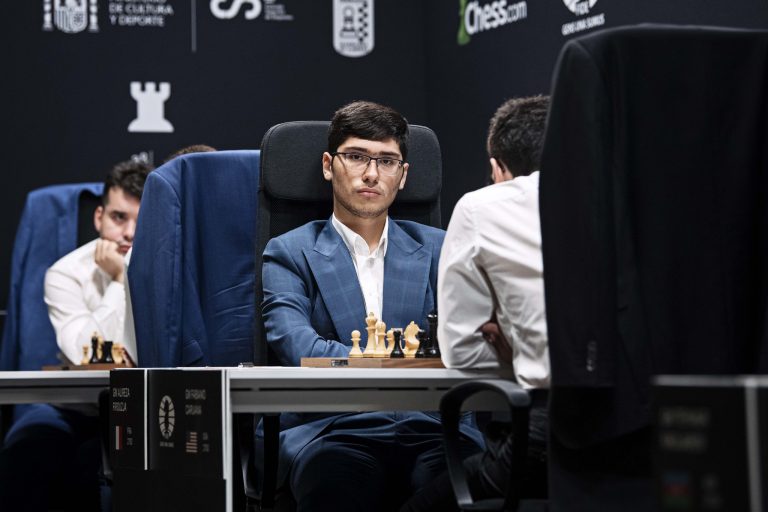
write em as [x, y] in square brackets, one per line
[653, 220]
[87, 205]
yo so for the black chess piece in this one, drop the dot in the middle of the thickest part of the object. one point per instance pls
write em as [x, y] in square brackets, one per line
[106, 353]
[397, 350]
[433, 350]
[94, 350]
[422, 337]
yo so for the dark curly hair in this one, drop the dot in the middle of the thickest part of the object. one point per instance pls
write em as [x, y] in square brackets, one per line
[516, 134]
[128, 176]
[369, 121]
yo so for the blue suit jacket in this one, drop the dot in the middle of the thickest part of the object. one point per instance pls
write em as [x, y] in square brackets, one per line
[191, 272]
[312, 303]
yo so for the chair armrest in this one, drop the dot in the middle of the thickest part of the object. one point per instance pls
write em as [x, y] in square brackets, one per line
[519, 402]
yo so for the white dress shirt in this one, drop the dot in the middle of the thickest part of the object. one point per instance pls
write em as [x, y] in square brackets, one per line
[368, 265]
[83, 299]
[129, 330]
[490, 264]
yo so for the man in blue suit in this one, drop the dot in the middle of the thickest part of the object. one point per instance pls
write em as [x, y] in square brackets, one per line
[320, 281]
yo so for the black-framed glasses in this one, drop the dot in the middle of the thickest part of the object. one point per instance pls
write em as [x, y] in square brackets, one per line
[357, 163]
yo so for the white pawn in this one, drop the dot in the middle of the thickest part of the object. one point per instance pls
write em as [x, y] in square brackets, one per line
[355, 352]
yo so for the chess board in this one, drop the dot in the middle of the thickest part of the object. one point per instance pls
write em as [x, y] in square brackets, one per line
[93, 366]
[370, 362]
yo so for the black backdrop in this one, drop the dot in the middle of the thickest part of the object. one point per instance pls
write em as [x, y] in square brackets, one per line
[66, 96]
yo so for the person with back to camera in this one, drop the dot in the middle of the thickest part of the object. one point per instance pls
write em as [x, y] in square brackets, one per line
[491, 298]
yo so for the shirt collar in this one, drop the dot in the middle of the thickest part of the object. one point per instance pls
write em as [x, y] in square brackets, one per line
[356, 244]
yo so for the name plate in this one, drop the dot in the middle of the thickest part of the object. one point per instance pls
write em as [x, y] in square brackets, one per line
[370, 362]
[711, 448]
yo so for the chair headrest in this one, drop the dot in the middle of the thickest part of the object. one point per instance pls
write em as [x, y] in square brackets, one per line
[291, 163]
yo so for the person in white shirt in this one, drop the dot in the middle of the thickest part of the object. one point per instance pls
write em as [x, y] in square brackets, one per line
[51, 455]
[490, 294]
[85, 290]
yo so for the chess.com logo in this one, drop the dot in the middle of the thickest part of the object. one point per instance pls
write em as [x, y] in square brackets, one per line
[251, 13]
[353, 34]
[71, 16]
[580, 7]
[474, 17]
[150, 107]
[167, 417]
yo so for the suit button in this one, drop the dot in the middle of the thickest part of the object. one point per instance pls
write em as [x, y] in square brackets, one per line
[591, 355]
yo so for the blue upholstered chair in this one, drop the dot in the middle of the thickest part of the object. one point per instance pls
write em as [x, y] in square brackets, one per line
[50, 227]
[55, 220]
[191, 273]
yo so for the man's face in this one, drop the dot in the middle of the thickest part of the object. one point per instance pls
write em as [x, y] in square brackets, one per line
[366, 194]
[117, 220]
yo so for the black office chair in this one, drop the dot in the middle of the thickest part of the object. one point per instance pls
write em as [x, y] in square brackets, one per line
[292, 192]
[655, 238]
[519, 402]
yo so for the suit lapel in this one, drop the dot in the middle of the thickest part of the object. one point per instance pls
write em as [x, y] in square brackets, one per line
[337, 282]
[406, 276]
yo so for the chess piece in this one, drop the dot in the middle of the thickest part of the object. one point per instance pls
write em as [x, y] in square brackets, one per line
[433, 349]
[390, 341]
[411, 342]
[370, 345]
[422, 337]
[381, 346]
[117, 353]
[94, 349]
[397, 350]
[86, 357]
[106, 353]
[355, 352]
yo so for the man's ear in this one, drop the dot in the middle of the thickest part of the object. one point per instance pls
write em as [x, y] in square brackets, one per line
[98, 216]
[327, 162]
[405, 175]
[499, 172]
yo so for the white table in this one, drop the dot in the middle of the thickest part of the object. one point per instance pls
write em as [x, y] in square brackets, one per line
[271, 390]
[279, 389]
[61, 387]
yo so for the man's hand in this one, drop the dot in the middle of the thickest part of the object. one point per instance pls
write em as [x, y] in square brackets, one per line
[109, 259]
[493, 335]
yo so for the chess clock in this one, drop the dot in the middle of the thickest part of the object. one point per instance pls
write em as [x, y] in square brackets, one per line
[167, 417]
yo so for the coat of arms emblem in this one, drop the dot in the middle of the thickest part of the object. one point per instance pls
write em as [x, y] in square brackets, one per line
[70, 16]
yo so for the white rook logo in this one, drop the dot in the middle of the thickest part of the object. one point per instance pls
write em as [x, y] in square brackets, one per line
[353, 27]
[71, 16]
[150, 107]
